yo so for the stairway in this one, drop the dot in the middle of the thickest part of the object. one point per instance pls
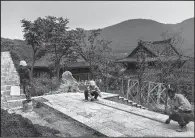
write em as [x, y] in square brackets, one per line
[123, 100]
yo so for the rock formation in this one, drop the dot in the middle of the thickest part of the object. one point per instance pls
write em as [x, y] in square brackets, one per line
[69, 83]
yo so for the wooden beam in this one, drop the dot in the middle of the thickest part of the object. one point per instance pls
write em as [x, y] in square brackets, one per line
[159, 93]
[129, 88]
[154, 88]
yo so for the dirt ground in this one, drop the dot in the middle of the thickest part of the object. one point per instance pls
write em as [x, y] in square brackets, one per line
[13, 125]
[67, 126]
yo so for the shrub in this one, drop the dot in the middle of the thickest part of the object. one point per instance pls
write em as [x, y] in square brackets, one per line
[53, 84]
[43, 85]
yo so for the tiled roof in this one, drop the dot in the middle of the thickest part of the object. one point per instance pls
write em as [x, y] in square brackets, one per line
[156, 47]
[46, 61]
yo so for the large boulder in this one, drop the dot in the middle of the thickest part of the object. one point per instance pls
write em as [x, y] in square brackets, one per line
[69, 83]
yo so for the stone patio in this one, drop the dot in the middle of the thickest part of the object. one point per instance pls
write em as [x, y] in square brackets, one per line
[114, 119]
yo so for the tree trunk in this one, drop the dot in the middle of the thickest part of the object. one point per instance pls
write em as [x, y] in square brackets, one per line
[166, 103]
[122, 89]
[140, 94]
[58, 73]
[32, 66]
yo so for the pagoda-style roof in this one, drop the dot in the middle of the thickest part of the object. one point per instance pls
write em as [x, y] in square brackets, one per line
[156, 50]
[157, 47]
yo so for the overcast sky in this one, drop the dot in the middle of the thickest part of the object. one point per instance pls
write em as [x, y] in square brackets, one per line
[91, 15]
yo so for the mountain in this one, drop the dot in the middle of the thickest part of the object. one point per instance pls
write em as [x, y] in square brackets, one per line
[187, 28]
[124, 35]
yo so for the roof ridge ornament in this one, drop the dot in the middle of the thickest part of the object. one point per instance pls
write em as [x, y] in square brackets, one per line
[140, 42]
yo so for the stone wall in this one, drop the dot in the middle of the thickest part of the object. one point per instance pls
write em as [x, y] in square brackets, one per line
[9, 75]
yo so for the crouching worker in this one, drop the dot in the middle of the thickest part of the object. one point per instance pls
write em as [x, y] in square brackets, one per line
[92, 91]
[180, 110]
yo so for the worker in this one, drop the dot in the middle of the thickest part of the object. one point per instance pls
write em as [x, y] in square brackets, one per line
[180, 110]
[25, 79]
[92, 91]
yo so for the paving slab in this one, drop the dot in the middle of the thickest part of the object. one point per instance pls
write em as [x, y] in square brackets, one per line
[113, 119]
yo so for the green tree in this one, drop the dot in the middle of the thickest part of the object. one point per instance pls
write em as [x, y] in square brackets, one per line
[169, 69]
[96, 51]
[61, 43]
[33, 35]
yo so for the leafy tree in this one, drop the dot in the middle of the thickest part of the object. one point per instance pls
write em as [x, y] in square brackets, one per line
[141, 67]
[62, 44]
[33, 35]
[97, 52]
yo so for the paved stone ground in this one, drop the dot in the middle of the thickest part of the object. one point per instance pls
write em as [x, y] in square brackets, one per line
[114, 119]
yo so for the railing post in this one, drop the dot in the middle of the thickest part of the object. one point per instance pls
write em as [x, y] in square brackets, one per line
[128, 89]
[138, 93]
[148, 97]
[159, 93]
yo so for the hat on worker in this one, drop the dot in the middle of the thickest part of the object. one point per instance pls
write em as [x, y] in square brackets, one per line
[171, 89]
[92, 83]
[23, 63]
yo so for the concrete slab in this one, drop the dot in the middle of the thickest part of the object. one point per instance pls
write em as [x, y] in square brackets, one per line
[114, 119]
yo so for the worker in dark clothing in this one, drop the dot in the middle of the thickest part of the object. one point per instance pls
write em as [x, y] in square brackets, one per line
[92, 90]
[180, 110]
[24, 73]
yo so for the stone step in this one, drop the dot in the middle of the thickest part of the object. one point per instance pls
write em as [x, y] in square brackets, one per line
[9, 98]
[120, 98]
[6, 93]
[129, 101]
[139, 106]
[134, 104]
[12, 104]
[125, 100]
[143, 107]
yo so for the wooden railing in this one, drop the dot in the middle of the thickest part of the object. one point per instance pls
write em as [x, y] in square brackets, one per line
[151, 92]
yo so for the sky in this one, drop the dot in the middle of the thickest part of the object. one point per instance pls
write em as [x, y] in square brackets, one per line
[91, 14]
